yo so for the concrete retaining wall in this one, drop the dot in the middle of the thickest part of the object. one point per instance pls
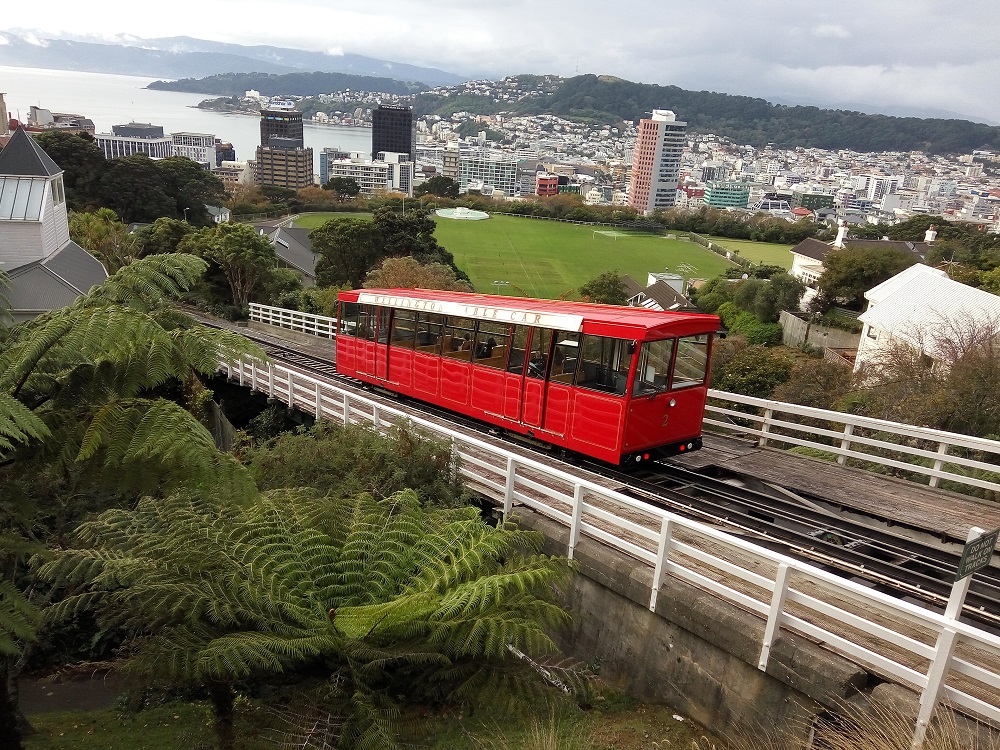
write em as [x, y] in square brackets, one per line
[797, 332]
[696, 653]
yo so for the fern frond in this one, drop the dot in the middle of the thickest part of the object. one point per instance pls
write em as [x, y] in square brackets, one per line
[19, 619]
[18, 425]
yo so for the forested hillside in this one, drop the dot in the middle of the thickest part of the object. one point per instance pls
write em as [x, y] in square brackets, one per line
[293, 84]
[609, 100]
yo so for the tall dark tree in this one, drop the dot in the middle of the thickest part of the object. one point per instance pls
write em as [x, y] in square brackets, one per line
[851, 271]
[441, 186]
[163, 236]
[135, 189]
[607, 288]
[192, 187]
[82, 162]
[344, 187]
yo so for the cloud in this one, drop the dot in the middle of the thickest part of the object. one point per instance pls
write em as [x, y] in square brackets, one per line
[335, 51]
[831, 31]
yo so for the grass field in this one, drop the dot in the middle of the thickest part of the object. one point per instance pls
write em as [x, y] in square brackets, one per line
[759, 252]
[548, 259]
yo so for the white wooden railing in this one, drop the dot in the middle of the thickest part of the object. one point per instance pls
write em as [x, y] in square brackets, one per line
[914, 451]
[921, 451]
[935, 654]
[293, 320]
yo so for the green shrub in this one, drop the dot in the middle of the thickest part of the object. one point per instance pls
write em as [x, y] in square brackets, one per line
[749, 325]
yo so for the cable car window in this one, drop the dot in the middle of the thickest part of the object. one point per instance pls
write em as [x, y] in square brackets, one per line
[492, 342]
[404, 325]
[383, 324]
[366, 322]
[565, 355]
[429, 327]
[692, 361]
[519, 342]
[604, 364]
[653, 373]
[348, 325]
[458, 335]
[538, 360]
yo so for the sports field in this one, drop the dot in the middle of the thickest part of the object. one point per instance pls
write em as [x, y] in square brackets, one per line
[759, 252]
[548, 259]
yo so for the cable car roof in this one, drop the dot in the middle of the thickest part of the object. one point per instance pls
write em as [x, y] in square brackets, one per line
[558, 314]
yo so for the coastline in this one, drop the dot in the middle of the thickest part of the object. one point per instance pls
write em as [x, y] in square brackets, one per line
[365, 126]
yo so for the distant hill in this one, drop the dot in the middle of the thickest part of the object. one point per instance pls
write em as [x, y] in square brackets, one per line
[295, 84]
[747, 120]
[184, 57]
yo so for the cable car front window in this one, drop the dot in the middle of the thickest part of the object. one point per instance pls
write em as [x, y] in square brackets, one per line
[653, 373]
[691, 366]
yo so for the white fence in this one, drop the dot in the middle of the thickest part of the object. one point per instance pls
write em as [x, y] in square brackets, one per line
[920, 451]
[963, 461]
[293, 320]
[934, 654]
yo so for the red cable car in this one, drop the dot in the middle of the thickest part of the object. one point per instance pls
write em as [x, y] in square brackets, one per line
[621, 384]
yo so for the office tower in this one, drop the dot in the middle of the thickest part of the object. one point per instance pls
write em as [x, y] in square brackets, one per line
[326, 157]
[281, 120]
[496, 169]
[656, 162]
[199, 147]
[282, 159]
[394, 131]
[4, 117]
[135, 138]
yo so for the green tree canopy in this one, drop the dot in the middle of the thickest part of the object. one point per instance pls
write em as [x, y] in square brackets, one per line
[607, 288]
[344, 187]
[851, 271]
[135, 189]
[101, 234]
[439, 185]
[163, 236]
[192, 187]
[246, 258]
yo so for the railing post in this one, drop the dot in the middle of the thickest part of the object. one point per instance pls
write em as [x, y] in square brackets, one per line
[270, 380]
[766, 426]
[937, 673]
[241, 372]
[508, 489]
[347, 408]
[376, 418]
[939, 463]
[319, 401]
[662, 551]
[253, 377]
[845, 444]
[774, 614]
[574, 524]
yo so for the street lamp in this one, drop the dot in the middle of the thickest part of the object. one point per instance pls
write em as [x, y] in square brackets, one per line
[186, 213]
[499, 284]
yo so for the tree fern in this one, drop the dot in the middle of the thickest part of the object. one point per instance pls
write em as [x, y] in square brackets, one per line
[375, 590]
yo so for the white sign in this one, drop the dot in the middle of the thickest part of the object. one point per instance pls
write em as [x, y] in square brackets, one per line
[558, 321]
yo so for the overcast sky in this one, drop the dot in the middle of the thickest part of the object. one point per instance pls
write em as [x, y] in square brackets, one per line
[892, 54]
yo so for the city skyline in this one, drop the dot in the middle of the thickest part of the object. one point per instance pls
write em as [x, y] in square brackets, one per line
[919, 56]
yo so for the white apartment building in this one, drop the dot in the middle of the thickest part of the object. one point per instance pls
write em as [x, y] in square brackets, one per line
[199, 147]
[494, 168]
[115, 146]
[656, 162]
[876, 187]
[392, 173]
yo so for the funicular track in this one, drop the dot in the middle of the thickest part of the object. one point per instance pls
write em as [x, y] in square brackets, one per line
[777, 518]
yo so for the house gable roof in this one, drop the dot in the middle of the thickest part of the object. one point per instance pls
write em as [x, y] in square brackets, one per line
[816, 250]
[23, 157]
[293, 246]
[656, 296]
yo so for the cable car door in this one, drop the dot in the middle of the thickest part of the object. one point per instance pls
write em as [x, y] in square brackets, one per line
[524, 387]
[382, 345]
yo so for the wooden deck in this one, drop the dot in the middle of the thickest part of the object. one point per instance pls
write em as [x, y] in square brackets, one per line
[935, 511]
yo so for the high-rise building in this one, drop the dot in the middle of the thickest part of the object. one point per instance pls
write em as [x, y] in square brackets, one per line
[4, 117]
[449, 161]
[281, 120]
[394, 131]
[656, 162]
[282, 159]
